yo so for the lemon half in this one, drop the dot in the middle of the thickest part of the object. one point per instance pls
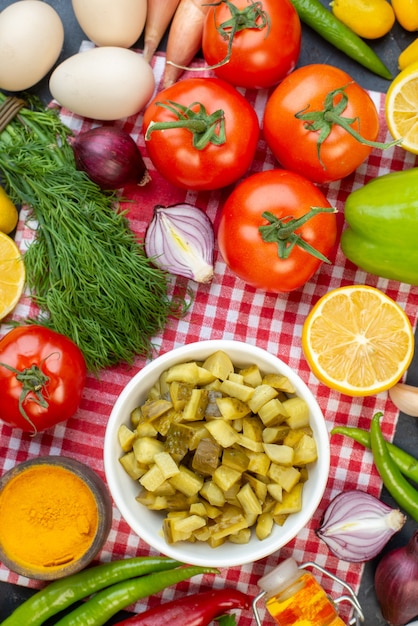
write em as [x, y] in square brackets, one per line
[358, 340]
[8, 213]
[12, 275]
[401, 108]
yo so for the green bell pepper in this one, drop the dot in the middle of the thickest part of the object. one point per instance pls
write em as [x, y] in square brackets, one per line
[382, 233]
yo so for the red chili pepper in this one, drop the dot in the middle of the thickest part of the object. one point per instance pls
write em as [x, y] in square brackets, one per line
[194, 610]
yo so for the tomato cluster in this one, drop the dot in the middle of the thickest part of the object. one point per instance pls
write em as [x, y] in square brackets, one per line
[202, 134]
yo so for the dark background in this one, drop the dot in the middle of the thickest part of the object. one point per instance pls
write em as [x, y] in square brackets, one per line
[314, 50]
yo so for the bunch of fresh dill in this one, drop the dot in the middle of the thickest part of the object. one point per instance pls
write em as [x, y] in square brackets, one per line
[85, 269]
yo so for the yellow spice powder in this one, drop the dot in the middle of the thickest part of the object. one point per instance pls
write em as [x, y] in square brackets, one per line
[48, 517]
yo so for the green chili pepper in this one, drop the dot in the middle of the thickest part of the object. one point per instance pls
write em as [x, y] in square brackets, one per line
[106, 603]
[320, 19]
[396, 484]
[407, 463]
[382, 218]
[62, 593]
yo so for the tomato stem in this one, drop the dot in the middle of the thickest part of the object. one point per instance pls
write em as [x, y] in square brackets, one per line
[205, 128]
[282, 232]
[33, 381]
[324, 120]
[252, 16]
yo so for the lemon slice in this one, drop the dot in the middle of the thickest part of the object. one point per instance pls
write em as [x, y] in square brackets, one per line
[8, 213]
[358, 340]
[12, 275]
[401, 108]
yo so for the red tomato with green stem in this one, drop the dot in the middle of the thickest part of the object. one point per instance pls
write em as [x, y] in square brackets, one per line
[275, 230]
[320, 123]
[42, 377]
[201, 133]
[252, 44]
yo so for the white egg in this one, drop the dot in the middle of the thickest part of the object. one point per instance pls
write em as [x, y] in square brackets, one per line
[111, 22]
[105, 83]
[31, 39]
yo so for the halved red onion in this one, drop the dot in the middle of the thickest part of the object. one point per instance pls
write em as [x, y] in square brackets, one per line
[356, 525]
[180, 240]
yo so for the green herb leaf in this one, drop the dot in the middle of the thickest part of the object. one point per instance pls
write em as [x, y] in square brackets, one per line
[85, 269]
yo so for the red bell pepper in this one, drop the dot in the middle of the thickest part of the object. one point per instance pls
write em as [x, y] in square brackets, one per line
[194, 610]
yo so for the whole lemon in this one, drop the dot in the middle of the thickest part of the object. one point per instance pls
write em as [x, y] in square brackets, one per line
[8, 213]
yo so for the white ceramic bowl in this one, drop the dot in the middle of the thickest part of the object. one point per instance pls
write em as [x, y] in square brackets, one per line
[148, 524]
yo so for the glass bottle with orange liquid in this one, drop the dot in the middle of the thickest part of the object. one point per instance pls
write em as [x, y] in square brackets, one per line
[294, 597]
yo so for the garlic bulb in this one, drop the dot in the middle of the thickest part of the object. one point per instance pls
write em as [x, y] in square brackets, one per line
[405, 398]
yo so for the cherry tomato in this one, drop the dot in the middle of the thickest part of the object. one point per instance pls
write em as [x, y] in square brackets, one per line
[42, 376]
[269, 200]
[294, 140]
[208, 137]
[256, 43]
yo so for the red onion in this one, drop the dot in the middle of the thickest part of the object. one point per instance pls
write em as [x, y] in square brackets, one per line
[110, 157]
[180, 239]
[356, 525]
[396, 583]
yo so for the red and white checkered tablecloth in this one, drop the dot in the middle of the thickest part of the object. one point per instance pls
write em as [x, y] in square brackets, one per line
[228, 308]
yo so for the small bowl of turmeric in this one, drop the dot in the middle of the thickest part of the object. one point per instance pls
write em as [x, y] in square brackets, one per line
[55, 516]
